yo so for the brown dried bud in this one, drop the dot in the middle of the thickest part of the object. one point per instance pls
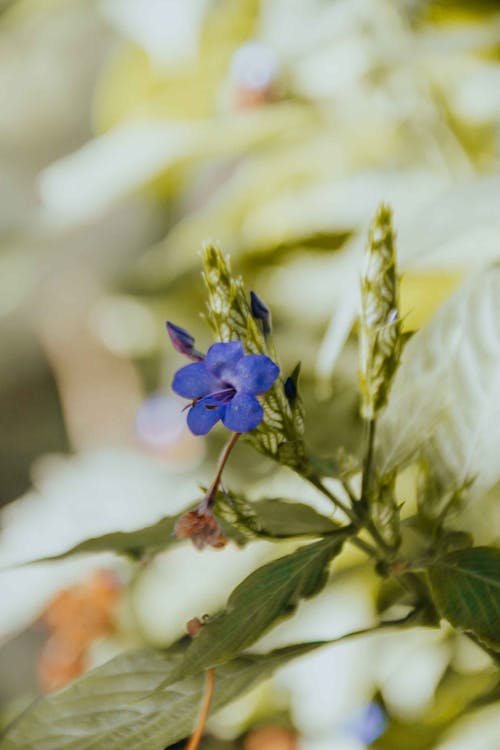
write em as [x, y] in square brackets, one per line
[202, 528]
[194, 626]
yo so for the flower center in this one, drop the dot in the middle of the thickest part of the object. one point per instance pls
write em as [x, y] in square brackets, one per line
[225, 395]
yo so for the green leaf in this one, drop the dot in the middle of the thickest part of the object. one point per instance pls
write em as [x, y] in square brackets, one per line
[264, 597]
[265, 518]
[466, 589]
[444, 399]
[120, 706]
[273, 518]
[134, 543]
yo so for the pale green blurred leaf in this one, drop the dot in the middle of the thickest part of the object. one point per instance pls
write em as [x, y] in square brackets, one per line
[444, 401]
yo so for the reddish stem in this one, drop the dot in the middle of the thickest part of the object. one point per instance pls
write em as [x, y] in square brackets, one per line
[209, 498]
[205, 708]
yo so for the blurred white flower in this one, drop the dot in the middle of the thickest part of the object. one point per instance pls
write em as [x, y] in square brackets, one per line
[168, 30]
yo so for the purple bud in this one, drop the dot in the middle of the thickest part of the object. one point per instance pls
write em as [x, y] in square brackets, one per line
[290, 390]
[183, 342]
[290, 385]
[261, 312]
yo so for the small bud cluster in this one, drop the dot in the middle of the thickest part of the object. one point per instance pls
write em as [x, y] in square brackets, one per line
[202, 528]
[380, 326]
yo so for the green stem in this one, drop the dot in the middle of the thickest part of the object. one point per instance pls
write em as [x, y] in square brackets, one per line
[370, 550]
[349, 512]
[316, 481]
[347, 487]
[368, 463]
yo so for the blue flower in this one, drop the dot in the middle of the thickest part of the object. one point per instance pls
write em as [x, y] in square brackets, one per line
[224, 386]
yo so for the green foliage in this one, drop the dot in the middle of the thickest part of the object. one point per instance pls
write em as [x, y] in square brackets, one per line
[273, 518]
[148, 540]
[266, 596]
[121, 704]
[466, 588]
[441, 402]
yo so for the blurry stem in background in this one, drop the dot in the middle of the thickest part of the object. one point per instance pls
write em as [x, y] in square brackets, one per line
[363, 503]
[209, 498]
[316, 481]
[348, 489]
[367, 463]
[205, 708]
[365, 546]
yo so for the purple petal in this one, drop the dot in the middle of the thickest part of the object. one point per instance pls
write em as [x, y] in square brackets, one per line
[243, 414]
[222, 359]
[194, 381]
[202, 417]
[255, 373]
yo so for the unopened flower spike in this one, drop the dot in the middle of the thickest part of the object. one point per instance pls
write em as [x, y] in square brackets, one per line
[380, 325]
[260, 312]
[183, 342]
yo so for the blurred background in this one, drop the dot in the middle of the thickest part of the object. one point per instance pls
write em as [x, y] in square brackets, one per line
[130, 132]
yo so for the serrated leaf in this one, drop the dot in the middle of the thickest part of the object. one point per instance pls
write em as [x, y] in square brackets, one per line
[444, 402]
[269, 594]
[273, 518]
[120, 706]
[466, 589]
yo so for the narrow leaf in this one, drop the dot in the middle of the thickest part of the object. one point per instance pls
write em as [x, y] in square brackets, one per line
[264, 597]
[466, 589]
[120, 706]
[273, 518]
[150, 539]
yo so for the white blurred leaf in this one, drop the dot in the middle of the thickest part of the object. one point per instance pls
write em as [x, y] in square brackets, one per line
[445, 399]
[112, 166]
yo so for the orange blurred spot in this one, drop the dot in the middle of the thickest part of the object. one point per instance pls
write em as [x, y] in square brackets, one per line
[271, 738]
[75, 618]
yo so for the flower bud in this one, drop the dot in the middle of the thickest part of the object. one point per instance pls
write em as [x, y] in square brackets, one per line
[183, 342]
[201, 527]
[290, 390]
[260, 312]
